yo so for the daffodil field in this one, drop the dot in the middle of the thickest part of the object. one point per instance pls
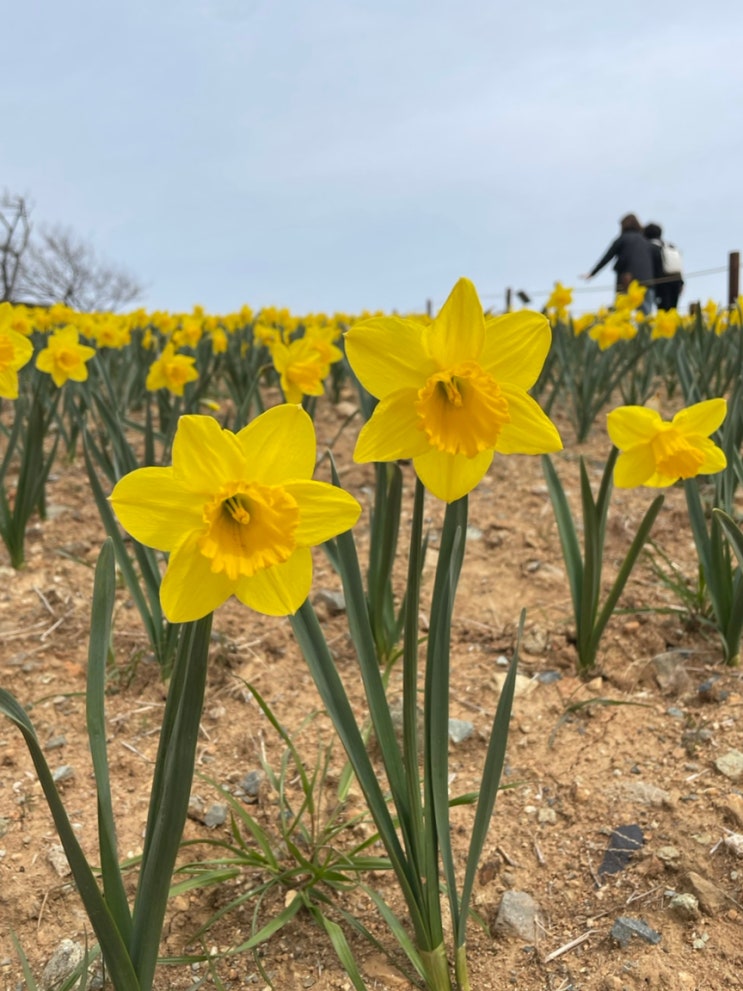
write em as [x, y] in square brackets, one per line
[205, 487]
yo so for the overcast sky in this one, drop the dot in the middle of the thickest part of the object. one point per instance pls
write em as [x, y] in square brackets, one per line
[336, 155]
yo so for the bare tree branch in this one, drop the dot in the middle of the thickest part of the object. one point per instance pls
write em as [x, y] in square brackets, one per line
[15, 231]
[56, 266]
[60, 267]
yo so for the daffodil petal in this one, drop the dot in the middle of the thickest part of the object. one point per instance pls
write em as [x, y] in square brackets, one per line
[631, 425]
[516, 346]
[45, 361]
[387, 354]
[190, 589]
[280, 444]
[203, 451]
[8, 383]
[451, 476]
[634, 467]
[21, 348]
[281, 589]
[156, 508]
[658, 481]
[530, 430]
[324, 511]
[392, 432]
[714, 457]
[458, 332]
[701, 418]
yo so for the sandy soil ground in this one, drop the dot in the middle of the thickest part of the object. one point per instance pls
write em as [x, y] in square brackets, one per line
[575, 772]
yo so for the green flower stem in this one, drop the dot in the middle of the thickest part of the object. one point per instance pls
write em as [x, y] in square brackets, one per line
[585, 571]
[436, 702]
[113, 947]
[385, 526]
[495, 759]
[145, 593]
[330, 687]
[32, 419]
[419, 842]
[411, 753]
[374, 688]
[171, 789]
[461, 971]
[108, 915]
[104, 596]
[724, 582]
[436, 967]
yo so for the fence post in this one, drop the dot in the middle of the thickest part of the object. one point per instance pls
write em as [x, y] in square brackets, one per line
[733, 277]
[508, 299]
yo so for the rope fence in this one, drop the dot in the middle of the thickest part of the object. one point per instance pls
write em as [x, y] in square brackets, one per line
[527, 295]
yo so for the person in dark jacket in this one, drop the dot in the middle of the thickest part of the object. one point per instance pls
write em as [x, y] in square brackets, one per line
[667, 286]
[634, 259]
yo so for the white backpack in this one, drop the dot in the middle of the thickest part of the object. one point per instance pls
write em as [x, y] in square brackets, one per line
[673, 263]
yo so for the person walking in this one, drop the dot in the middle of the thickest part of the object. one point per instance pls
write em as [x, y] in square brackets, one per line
[666, 268]
[633, 260]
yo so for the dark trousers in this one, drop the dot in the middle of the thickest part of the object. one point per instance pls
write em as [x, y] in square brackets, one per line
[667, 294]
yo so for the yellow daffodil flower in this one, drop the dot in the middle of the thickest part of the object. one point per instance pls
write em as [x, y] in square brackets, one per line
[16, 317]
[632, 299]
[658, 453]
[559, 300]
[615, 327]
[723, 322]
[304, 365]
[582, 323]
[171, 371]
[219, 340]
[190, 331]
[64, 357]
[665, 323]
[111, 331]
[61, 314]
[15, 351]
[266, 333]
[237, 512]
[452, 392]
[710, 311]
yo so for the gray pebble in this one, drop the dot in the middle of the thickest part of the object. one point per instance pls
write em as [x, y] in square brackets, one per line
[520, 913]
[731, 765]
[460, 730]
[626, 927]
[685, 906]
[216, 815]
[66, 958]
[55, 742]
[251, 783]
